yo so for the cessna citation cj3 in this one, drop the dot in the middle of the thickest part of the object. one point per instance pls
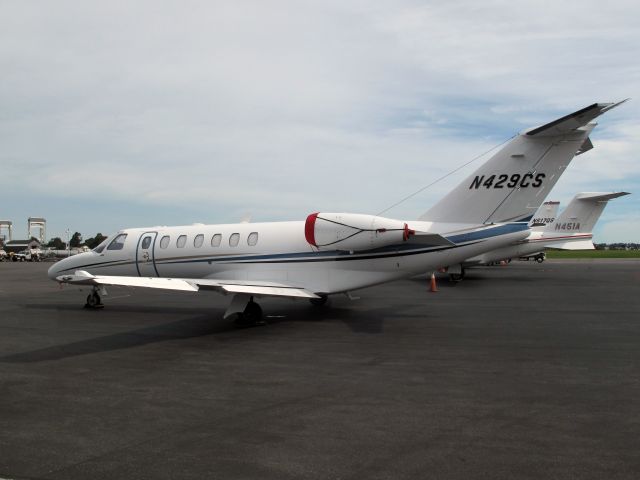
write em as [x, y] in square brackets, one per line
[331, 253]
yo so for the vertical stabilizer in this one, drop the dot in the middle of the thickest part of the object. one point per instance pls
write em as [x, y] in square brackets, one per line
[513, 183]
[573, 228]
[545, 215]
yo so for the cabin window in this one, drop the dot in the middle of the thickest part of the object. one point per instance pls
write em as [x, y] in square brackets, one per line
[198, 241]
[234, 239]
[164, 242]
[216, 240]
[146, 242]
[252, 239]
[182, 241]
[118, 242]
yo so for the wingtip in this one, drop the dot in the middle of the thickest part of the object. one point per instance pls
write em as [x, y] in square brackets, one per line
[608, 106]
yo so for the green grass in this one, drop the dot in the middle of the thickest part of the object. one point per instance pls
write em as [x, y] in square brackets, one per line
[593, 253]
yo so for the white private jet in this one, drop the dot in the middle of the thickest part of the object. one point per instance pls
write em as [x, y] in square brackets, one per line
[571, 230]
[332, 253]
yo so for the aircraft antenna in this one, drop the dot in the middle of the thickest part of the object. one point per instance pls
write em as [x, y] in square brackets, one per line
[445, 176]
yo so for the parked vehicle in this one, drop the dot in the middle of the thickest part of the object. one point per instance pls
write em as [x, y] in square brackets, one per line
[20, 256]
[538, 257]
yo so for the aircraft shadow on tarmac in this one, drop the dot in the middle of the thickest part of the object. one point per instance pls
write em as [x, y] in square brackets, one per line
[369, 321]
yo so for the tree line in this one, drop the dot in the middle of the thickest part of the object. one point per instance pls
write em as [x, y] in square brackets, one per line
[76, 241]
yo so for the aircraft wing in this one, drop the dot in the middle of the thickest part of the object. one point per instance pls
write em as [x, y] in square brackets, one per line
[258, 288]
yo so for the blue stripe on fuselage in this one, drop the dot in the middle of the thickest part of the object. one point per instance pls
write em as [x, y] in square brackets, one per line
[403, 249]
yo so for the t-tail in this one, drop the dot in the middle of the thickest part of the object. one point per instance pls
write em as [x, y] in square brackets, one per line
[573, 229]
[512, 184]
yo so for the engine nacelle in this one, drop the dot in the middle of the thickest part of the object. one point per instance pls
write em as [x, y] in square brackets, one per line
[353, 231]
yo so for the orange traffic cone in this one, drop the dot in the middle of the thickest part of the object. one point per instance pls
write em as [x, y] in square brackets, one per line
[433, 288]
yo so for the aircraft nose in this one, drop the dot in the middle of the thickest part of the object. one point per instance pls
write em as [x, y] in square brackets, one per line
[54, 270]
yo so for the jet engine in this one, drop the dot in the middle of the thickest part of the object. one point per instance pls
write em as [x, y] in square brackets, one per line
[354, 232]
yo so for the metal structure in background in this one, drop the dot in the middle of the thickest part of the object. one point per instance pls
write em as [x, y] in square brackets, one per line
[39, 224]
[9, 226]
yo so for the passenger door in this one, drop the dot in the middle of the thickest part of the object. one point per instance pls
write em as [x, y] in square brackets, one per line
[145, 261]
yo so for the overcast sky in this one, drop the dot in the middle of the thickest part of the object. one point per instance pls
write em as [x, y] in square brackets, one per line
[120, 114]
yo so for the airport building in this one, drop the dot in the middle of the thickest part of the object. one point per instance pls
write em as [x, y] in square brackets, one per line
[16, 246]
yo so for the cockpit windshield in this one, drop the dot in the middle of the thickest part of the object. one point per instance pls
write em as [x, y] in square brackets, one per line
[100, 247]
[118, 242]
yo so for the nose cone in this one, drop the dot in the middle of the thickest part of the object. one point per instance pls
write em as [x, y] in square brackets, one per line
[67, 266]
[54, 270]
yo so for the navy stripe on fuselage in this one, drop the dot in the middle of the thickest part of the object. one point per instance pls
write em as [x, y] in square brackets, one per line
[399, 250]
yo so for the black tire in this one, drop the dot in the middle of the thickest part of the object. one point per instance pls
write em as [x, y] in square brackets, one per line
[319, 302]
[457, 277]
[93, 300]
[540, 259]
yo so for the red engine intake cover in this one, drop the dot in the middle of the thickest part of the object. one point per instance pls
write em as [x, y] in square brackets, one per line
[309, 229]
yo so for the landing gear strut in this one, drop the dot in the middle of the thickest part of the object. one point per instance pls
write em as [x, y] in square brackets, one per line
[251, 316]
[93, 300]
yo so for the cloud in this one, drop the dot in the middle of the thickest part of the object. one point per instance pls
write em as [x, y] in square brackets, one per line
[282, 108]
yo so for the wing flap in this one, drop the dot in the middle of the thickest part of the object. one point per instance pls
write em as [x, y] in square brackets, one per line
[269, 291]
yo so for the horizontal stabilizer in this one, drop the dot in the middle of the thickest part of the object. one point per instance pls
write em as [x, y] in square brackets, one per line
[599, 196]
[573, 245]
[256, 288]
[573, 121]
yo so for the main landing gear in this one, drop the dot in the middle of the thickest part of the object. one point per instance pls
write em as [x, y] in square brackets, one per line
[93, 300]
[319, 302]
[251, 316]
[457, 277]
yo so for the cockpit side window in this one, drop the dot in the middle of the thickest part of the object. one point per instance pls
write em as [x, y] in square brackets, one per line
[118, 242]
[100, 247]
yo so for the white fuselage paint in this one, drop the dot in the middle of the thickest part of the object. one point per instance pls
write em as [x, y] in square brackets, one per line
[536, 242]
[282, 254]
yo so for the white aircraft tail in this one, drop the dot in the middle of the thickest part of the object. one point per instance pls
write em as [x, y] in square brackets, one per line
[545, 215]
[573, 228]
[513, 183]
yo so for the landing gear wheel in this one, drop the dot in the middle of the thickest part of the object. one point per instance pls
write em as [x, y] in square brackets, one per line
[319, 302]
[540, 258]
[93, 301]
[457, 277]
[251, 317]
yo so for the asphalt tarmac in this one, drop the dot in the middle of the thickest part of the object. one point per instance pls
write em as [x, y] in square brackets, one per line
[524, 371]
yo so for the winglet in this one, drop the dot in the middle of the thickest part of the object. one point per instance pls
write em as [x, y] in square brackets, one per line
[573, 121]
